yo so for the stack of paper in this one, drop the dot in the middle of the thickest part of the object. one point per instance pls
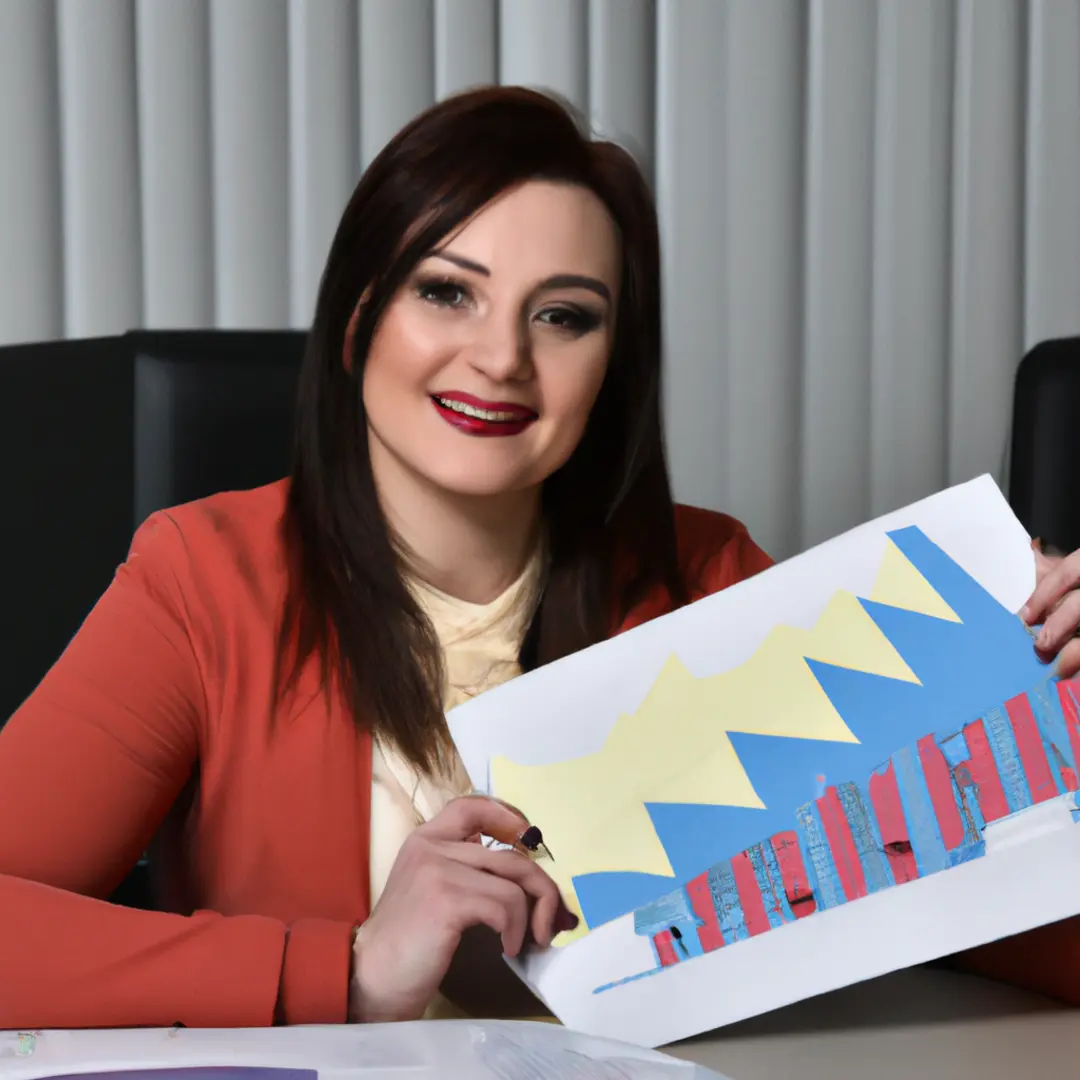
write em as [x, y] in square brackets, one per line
[432, 1050]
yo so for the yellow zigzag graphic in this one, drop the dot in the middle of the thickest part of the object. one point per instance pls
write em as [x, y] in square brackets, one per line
[592, 808]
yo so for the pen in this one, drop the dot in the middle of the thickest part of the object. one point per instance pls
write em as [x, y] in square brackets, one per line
[532, 839]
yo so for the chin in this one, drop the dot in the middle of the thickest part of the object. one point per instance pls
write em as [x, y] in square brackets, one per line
[472, 482]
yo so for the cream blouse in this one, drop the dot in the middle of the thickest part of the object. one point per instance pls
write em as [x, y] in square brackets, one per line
[480, 645]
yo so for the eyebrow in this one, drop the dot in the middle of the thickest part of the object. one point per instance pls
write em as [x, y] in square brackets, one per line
[556, 281]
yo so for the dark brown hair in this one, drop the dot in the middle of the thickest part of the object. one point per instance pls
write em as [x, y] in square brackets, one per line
[608, 510]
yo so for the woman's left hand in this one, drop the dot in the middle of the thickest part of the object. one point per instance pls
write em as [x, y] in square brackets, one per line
[1055, 604]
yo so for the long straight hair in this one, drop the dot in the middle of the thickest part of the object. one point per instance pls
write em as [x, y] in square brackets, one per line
[608, 511]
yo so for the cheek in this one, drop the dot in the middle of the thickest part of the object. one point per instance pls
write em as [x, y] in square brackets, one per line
[405, 353]
[571, 402]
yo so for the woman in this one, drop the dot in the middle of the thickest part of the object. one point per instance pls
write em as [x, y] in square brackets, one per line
[479, 488]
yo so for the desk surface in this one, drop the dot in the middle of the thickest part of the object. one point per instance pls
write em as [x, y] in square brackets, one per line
[922, 1024]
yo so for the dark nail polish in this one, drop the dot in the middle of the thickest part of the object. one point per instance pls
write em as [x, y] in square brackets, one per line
[566, 920]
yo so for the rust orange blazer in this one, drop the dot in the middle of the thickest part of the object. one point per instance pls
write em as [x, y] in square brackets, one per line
[156, 722]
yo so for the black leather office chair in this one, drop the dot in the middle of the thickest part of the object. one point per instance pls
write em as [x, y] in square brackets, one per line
[213, 411]
[95, 436]
[1044, 473]
[66, 413]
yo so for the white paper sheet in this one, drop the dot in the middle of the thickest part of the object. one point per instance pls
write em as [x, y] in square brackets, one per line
[432, 1050]
[567, 710]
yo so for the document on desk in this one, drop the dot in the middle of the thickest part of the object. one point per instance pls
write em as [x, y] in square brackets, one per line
[203, 1072]
[425, 1050]
[852, 763]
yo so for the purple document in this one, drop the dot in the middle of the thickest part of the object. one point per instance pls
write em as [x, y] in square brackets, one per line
[210, 1072]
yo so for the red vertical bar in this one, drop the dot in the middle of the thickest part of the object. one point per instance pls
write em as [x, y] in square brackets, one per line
[701, 900]
[984, 772]
[889, 811]
[750, 899]
[842, 844]
[665, 948]
[1067, 695]
[800, 896]
[938, 778]
[1029, 742]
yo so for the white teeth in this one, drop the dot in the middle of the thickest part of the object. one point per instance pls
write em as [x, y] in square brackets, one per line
[479, 414]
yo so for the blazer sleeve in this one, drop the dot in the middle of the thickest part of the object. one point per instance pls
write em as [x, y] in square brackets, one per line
[89, 766]
[718, 552]
[738, 559]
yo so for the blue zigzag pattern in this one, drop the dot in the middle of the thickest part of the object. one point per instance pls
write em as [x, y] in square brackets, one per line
[964, 669]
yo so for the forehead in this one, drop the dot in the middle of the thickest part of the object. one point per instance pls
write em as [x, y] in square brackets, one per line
[539, 229]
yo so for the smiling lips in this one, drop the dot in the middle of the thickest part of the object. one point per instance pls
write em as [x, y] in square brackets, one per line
[474, 416]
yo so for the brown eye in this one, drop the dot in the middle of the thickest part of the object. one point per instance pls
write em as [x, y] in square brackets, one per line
[443, 293]
[571, 320]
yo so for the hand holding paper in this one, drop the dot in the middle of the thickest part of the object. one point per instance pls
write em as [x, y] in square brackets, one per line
[1055, 604]
[442, 883]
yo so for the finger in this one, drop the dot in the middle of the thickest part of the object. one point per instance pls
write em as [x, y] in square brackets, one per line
[1061, 625]
[472, 814]
[1056, 604]
[548, 912]
[484, 899]
[1044, 564]
[547, 903]
[508, 805]
[1068, 661]
[1057, 582]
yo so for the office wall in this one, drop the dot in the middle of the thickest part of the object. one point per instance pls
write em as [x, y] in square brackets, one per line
[869, 207]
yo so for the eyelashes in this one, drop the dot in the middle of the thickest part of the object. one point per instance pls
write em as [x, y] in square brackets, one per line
[572, 320]
[445, 292]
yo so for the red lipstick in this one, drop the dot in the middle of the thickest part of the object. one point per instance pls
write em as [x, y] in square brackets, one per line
[474, 416]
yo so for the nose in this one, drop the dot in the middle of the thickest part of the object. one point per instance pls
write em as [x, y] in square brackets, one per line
[502, 350]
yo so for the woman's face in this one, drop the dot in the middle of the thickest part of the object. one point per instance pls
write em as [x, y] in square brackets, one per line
[485, 366]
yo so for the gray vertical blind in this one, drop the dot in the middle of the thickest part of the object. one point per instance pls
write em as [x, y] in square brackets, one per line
[324, 132]
[870, 208]
[99, 159]
[175, 164]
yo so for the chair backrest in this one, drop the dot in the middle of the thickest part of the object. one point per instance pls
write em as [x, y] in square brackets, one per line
[1044, 473]
[66, 412]
[213, 412]
[96, 435]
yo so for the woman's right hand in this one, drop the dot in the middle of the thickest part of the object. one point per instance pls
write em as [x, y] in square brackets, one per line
[442, 883]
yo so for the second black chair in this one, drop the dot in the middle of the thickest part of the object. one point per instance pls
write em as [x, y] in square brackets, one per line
[1044, 475]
